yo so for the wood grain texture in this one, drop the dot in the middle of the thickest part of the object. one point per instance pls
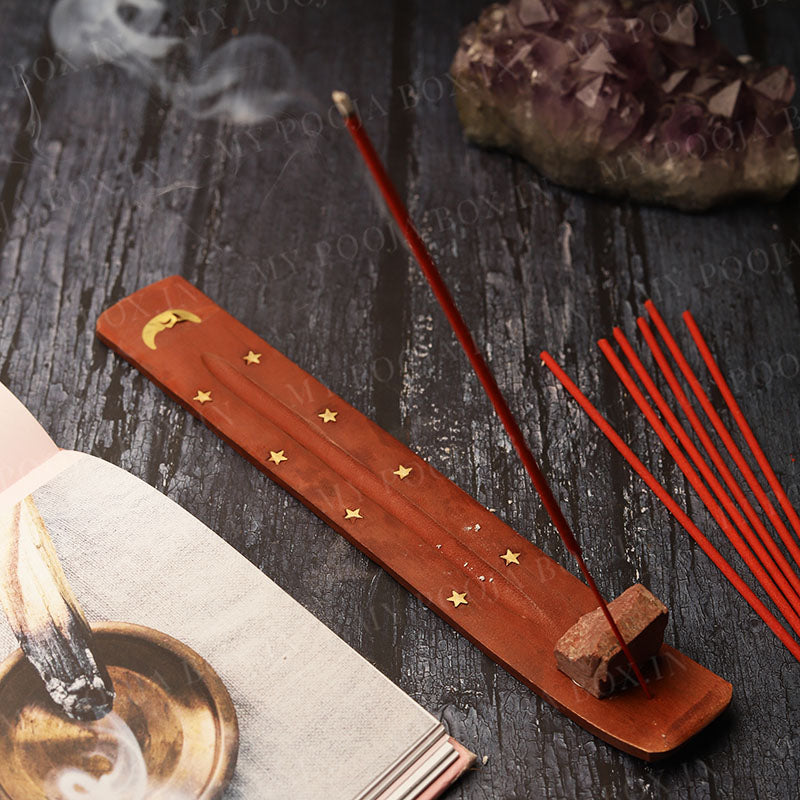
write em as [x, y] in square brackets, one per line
[117, 189]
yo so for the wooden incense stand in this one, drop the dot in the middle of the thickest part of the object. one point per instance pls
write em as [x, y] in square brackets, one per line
[488, 582]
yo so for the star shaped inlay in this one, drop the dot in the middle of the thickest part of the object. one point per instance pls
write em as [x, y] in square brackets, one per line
[328, 416]
[402, 472]
[252, 358]
[276, 457]
[511, 558]
[202, 397]
[458, 599]
[352, 513]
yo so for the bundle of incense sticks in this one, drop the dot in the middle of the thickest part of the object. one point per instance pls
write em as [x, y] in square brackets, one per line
[420, 252]
[734, 513]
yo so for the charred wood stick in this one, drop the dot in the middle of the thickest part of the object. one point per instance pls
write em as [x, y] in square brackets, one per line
[46, 618]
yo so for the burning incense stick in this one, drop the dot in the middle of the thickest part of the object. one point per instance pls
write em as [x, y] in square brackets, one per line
[445, 299]
[735, 539]
[46, 617]
[672, 506]
[722, 431]
[747, 432]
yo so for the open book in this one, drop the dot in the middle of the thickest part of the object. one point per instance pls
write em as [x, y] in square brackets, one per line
[316, 720]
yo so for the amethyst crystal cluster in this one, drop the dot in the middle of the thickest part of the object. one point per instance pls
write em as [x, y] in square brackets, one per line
[633, 99]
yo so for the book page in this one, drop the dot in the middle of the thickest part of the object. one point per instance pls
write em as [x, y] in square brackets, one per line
[24, 444]
[316, 719]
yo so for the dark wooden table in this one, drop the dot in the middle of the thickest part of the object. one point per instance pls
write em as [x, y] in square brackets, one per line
[107, 185]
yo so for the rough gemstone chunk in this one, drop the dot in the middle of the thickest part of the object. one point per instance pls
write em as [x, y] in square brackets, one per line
[629, 99]
[590, 654]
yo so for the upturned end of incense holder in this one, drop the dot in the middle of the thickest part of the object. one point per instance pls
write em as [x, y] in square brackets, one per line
[590, 654]
[173, 731]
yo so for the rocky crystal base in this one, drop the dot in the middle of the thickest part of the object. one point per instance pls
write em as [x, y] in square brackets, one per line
[627, 99]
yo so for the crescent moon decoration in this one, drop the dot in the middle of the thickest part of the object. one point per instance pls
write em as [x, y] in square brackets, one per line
[164, 320]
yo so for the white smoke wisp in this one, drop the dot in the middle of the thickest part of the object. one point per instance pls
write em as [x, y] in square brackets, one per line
[93, 31]
[244, 81]
[247, 80]
[127, 779]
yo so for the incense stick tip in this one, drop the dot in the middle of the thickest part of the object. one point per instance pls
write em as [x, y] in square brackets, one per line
[622, 339]
[343, 103]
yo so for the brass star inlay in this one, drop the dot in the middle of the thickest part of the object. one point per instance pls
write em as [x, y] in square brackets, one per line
[402, 472]
[328, 416]
[511, 558]
[352, 513]
[277, 456]
[458, 599]
[252, 358]
[202, 397]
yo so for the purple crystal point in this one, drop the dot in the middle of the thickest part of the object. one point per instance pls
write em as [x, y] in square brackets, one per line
[535, 12]
[674, 80]
[723, 103]
[777, 85]
[598, 59]
[629, 99]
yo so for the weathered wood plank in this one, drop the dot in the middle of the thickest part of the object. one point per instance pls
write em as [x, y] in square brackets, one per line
[277, 224]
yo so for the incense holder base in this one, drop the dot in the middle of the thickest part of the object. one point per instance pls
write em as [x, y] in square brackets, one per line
[172, 713]
[491, 584]
[590, 654]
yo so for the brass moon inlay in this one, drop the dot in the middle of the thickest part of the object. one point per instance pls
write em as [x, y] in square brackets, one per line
[164, 320]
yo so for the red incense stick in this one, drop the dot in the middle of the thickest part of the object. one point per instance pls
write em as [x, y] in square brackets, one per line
[716, 511]
[672, 506]
[705, 439]
[747, 432]
[722, 431]
[775, 558]
[445, 299]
